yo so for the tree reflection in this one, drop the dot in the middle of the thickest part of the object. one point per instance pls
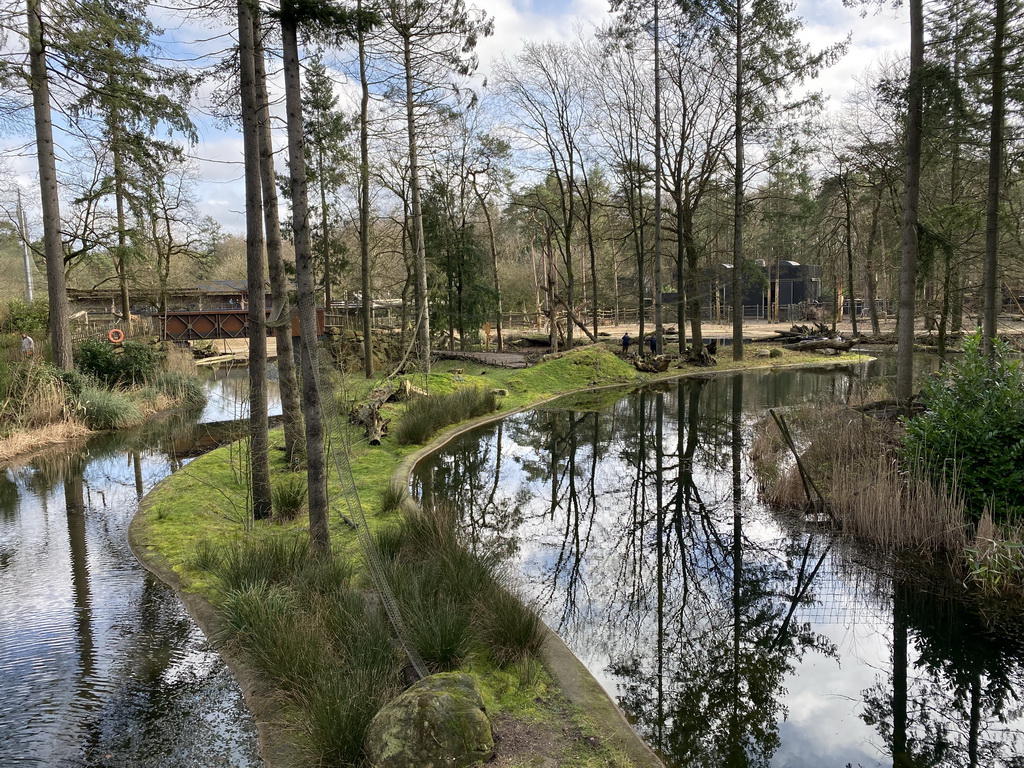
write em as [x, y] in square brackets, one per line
[636, 527]
[952, 704]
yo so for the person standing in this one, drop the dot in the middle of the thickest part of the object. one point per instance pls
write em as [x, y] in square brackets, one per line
[626, 341]
[28, 346]
[653, 341]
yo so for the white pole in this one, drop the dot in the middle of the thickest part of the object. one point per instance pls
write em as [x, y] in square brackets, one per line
[23, 232]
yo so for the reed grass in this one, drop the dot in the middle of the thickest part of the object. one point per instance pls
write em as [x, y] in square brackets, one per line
[424, 416]
[300, 621]
[109, 409]
[183, 389]
[393, 497]
[855, 461]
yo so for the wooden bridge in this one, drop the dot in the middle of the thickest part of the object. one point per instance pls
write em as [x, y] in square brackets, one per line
[216, 324]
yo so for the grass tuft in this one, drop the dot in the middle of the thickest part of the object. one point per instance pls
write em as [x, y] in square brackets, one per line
[109, 409]
[424, 416]
[288, 496]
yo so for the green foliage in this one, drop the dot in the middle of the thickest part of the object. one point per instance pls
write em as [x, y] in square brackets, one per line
[511, 629]
[35, 395]
[135, 364]
[261, 562]
[971, 435]
[996, 567]
[108, 409]
[19, 315]
[288, 495]
[426, 415]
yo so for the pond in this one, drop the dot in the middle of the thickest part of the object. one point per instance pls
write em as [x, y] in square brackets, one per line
[100, 664]
[729, 635]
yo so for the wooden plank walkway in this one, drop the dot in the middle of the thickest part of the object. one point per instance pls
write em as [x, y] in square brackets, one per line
[497, 359]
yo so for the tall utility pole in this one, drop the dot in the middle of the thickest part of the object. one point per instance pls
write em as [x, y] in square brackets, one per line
[23, 234]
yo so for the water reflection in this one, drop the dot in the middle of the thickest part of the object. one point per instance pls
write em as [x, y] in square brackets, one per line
[729, 636]
[99, 662]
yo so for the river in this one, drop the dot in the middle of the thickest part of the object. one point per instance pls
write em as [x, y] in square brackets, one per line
[728, 634]
[100, 664]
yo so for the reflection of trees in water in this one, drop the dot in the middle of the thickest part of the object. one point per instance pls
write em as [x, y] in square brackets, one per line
[953, 690]
[635, 527]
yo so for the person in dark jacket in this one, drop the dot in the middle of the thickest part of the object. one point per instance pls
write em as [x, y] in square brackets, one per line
[626, 341]
[653, 341]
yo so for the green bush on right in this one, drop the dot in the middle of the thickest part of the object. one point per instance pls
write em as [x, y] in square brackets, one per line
[971, 434]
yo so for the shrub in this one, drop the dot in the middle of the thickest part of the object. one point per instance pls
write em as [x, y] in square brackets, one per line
[108, 409]
[971, 430]
[32, 318]
[135, 364]
[264, 561]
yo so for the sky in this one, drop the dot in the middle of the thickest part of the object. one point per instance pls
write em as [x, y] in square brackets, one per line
[219, 151]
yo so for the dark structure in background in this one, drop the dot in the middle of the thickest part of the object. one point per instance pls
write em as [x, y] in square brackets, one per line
[779, 289]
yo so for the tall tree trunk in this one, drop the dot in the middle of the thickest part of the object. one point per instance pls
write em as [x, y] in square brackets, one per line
[121, 257]
[692, 276]
[681, 293]
[291, 405]
[659, 324]
[259, 443]
[418, 245]
[364, 199]
[494, 268]
[737, 237]
[325, 223]
[870, 282]
[316, 466]
[60, 336]
[995, 169]
[911, 198]
[848, 224]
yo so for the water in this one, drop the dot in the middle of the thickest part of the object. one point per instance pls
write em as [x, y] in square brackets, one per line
[100, 664]
[730, 636]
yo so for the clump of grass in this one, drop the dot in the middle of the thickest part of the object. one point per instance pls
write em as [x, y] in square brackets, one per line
[179, 360]
[454, 601]
[995, 562]
[511, 629]
[424, 416]
[108, 409]
[288, 496]
[263, 561]
[322, 642]
[181, 388]
[854, 460]
[393, 497]
[35, 395]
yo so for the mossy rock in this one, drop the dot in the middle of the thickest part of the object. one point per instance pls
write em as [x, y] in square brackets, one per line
[440, 721]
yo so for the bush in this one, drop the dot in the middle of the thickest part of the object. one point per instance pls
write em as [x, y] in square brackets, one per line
[32, 318]
[970, 434]
[135, 364]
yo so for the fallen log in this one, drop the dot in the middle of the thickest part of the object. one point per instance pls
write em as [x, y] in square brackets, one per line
[368, 415]
[648, 364]
[839, 345]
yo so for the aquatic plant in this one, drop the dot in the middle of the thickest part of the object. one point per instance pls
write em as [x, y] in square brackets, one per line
[183, 389]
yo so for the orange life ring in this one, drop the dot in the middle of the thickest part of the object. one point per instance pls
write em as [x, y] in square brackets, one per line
[115, 336]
